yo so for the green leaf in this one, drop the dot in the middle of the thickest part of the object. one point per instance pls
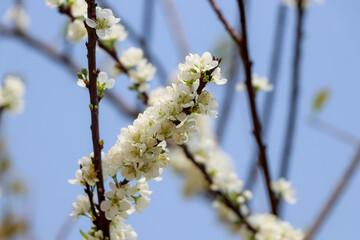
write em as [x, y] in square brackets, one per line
[83, 234]
[320, 99]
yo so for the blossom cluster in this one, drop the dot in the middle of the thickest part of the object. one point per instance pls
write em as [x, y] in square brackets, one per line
[140, 153]
[258, 83]
[17, 16]
[106, 25]
[270, 228]
[206, 150]
[139, 69]
[284, 189]
[12, 93]
[306, 3]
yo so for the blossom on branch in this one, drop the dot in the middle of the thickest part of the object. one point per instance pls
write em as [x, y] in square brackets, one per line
[104, 21]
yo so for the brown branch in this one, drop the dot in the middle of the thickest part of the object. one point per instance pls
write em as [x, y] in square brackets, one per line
[62, 58]
[223, 196]
[176, 28]
[330, 204]
[241, 42]
[143, 43]
[333, 131]
[103, 222]
[234, 35]
[293, 104]
[269, 98]
[112, 53]
[243, 47]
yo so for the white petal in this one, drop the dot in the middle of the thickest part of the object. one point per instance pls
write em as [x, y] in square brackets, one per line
[91, 23]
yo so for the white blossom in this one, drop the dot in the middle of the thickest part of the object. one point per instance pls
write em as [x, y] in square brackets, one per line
[104, 82]
[88, 170]
[118, 33]
[104, 21]
[54, 3]
[121, 231]
[76, 31]
[306, 3]
[270, 228]
[191, 69]
[284, 189]
[78, 8]
[116, 204]
[95, 235]
[12, 94]
[79, 179]
[17, 16]
[258, 83]
[145, 72]
[217, 77]
[81, 206]
[132, 56]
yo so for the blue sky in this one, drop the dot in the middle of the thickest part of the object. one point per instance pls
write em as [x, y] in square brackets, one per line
[46, 141]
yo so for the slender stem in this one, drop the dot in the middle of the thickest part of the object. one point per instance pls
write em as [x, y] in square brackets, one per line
[64, 59]
[256, 122]
[293, 104]
[333, 131]
[142, 41]
[176, 28]
[103, 223]
[269, 97]
[241, 42]
[234, 35]
[112, 53]
[330, 204]
[223, 196]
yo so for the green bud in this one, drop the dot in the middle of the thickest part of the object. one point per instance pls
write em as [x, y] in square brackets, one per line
[91, 107]
[80, 76]
[84, 71]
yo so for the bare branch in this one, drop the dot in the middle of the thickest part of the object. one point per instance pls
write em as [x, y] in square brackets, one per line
[330, 204]
[269, 97]
[293, 104]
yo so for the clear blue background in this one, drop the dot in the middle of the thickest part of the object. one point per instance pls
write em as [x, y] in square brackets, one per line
[46, 141]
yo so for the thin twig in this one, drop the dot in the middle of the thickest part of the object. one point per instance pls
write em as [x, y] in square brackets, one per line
[293, 104]
[223, 196]
[62, 58]
[269, 97]
[330, 204]
[103, 222]
[333, 131]
[176, 28]
[241, 42]
[234, 35]
[143, 43]
[256, 122]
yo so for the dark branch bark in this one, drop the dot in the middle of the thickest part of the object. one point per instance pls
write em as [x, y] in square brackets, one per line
[143, 43]
[243, 46]
[330, 204]
[293, 104]
[62, 58]
[241, 42]
[223, 196]
[103, 223]
[269, 98]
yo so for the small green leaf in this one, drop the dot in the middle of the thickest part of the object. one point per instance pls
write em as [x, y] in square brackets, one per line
[320, 99]
[83, 234]
[84, 71]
